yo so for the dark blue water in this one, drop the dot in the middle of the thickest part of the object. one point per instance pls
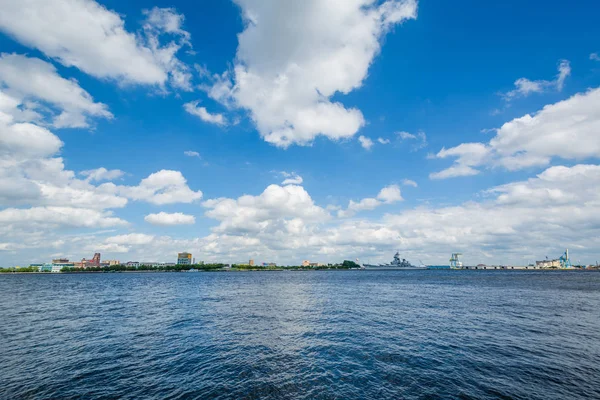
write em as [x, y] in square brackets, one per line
[305, 335]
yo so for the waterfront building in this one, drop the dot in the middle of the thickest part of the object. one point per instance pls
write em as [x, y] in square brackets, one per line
[251, 263]
[147, 264]
[548, 264]
[563, 261]
[94, 262]
[307, 263]
[132, 264]
[59, 264]
[47, 267]
[56, 268]
[184, 259]
[157, 264]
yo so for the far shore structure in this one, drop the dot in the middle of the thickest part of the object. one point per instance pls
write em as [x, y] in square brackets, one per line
[186, 262]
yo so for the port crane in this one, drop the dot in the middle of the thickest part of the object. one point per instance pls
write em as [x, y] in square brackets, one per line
[565, 261]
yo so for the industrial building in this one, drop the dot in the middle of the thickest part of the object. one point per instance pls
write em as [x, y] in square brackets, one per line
[307, 263]
[548, 264]
[562, 262]
[94, 262]
[455, 262]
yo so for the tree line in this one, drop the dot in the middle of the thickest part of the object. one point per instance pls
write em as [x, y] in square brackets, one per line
[184, 267]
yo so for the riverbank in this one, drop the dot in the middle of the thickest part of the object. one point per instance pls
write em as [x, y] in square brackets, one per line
[145, 271]
[232, 270]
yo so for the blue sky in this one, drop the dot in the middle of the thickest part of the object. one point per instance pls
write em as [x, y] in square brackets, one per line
[404, 125]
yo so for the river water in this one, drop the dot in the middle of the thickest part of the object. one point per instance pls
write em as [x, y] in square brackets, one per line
[301, 335]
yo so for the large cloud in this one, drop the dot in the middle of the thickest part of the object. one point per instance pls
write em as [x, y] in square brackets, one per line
[162, 187]
[569, 129]
[84, 34]
[294, 56]
[52, 217]
[25, 139]
[514, 223]
[34, 79]
[32, 174]
[517, 223]
[41, 200]
[278, 208]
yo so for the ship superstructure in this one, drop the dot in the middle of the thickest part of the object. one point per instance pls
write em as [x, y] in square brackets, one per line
[397, 263]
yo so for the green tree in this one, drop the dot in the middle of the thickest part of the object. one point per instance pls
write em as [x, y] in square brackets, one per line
[350, 264]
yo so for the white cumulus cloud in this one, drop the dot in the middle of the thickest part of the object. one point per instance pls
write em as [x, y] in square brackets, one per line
[163, 218]
[291, 178]
[515, 223]
[203, 114]
[130, 239]
[33, 79]
[162, 187]
[102, 174]
[190, 153]
[420, 139]
[567, 129]
[365, 142]
[388, 195]
[88, 36]
[278, 207]
[37, 217]
[524, 87]
[294, 56]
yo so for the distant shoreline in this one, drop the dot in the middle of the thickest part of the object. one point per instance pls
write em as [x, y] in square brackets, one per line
[291, 270]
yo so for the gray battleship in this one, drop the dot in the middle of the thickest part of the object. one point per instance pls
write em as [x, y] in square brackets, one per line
[396, 263]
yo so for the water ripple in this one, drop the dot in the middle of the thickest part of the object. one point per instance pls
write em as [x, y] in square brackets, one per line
[325, 335]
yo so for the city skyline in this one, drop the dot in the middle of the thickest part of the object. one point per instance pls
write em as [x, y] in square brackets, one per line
[428, 128]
